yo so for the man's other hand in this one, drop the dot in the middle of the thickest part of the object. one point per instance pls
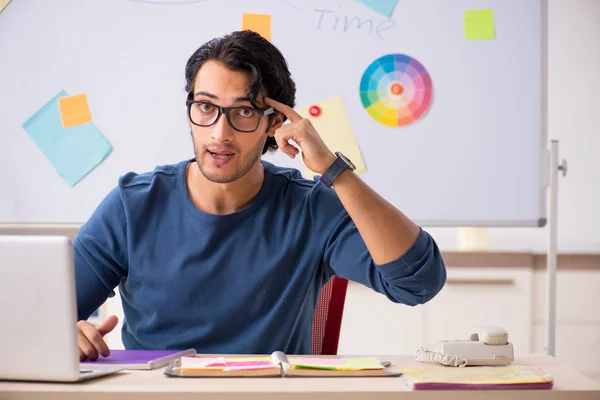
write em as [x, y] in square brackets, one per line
[91, 339]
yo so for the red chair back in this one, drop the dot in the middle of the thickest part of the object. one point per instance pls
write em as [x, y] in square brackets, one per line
[328, 317]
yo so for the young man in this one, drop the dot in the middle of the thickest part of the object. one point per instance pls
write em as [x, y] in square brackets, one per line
[227, 253]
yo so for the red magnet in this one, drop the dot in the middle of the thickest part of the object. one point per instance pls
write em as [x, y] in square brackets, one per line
[314, 111]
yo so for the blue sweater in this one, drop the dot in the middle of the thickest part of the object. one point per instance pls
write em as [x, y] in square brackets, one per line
[246, 282]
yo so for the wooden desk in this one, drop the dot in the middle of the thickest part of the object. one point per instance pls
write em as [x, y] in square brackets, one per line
[568, 384]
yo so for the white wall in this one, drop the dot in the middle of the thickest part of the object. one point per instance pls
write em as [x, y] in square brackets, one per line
[573, 120]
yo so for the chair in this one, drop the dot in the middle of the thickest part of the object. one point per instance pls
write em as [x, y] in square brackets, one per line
[328, 317]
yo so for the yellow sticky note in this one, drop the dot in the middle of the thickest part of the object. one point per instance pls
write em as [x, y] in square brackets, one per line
[333, 125]
[3, 4]
[259, 23]
[74, 110]
[479, 24]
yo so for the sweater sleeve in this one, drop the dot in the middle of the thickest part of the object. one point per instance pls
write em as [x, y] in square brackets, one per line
[414, 278]
[100, 253]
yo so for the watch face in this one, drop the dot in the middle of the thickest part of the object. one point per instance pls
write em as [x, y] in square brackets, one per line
[346, 160]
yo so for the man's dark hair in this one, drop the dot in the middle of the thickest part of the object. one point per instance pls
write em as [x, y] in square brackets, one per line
[248, 51]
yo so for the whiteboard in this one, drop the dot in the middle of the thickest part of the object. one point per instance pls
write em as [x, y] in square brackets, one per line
[475, 158]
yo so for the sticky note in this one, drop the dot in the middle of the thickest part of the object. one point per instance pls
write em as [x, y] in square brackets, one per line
[74, 110]
[337, 364]
[383, 7]
[75, 151]
[242, 359]
[479, 24]
[259, 23]
[204, 361]
[333, 125]
[3, 4]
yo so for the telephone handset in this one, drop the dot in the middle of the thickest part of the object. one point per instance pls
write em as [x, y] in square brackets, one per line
[487, 346]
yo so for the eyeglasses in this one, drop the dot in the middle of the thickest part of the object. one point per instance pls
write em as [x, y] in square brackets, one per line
[242, 119]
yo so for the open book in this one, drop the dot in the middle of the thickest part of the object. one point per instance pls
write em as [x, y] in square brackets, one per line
[278, 365]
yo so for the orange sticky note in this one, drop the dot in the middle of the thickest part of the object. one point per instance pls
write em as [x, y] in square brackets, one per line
[74, 110]
[259, 23]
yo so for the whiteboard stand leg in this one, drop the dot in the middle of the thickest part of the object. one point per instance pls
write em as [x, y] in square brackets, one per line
[551, 259]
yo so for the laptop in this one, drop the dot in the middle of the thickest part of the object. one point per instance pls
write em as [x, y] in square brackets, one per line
[38, 331]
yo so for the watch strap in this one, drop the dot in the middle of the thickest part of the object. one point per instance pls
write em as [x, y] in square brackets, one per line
[334, 171]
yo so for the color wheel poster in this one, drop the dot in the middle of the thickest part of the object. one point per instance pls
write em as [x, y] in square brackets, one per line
[396, 90]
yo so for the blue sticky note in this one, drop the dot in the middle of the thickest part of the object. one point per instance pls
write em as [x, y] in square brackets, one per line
[74, 152]
[383, 7]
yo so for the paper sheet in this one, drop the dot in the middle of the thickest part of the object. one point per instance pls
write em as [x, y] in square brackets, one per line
[478, 375]
[334, 127]
[383, 7]
[74, 110]
[259, 23]
[479, 25]
[3, 4]
[74, 152]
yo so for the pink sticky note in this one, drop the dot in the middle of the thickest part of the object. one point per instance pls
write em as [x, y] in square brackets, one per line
[248, 363]
[247, 367]
[204, 361]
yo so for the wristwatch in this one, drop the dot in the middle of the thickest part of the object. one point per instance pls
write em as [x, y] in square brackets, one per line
[341, 164]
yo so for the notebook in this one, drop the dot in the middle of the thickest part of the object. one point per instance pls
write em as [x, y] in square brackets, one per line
[514, 377]
[278, 365]
[141, 359]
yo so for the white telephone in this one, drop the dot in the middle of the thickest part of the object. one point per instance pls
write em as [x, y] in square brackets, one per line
[487, 346]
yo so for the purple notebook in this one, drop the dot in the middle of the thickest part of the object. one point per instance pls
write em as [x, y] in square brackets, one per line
[141, 359]
[491, 386]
